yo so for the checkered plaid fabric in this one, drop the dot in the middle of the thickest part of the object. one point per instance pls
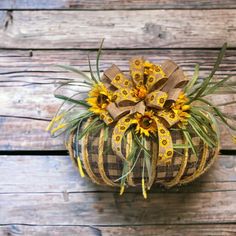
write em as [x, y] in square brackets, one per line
[113, 165]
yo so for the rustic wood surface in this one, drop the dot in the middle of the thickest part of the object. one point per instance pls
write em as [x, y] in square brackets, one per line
[167, 230]
[29, 78]
[64, 177]
[116, 4]
[41, 193]
[83, 203]
[126, 29]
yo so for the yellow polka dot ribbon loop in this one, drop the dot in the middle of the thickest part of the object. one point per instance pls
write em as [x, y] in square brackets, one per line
[166, 151]
[121, 81]
[156, 79]
[137, 70]
[169, 118]
[124, 97]
[118, 133]
[156, 99]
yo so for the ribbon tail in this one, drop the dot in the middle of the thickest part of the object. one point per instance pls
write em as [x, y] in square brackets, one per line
[105, 116]
[166, 150]
[118, 133]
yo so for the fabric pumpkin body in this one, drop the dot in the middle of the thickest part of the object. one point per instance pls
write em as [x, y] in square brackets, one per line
[103, 167]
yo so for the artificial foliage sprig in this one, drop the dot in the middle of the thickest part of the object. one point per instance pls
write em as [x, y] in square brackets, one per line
[197, 90]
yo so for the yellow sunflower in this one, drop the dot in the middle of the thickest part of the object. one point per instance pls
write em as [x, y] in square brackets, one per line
[181, 109]
[98, 98]
[145, 124]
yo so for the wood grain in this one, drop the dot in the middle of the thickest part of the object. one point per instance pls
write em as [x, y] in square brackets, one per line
[25, 133]
[29, 78]
[22, 65]
[29, 101]
[122, 29]
[44, 195]
[111, 209]
[57, 174]
[116, 4]
[143, 230]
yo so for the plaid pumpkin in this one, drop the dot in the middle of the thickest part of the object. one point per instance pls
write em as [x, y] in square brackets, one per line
[103, 167]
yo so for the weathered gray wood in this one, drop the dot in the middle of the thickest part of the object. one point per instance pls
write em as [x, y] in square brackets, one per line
[46, 191]
[167, 230]
[116, 4]
[19, 133]
[40, 65]
[38, 101]
[111, 209]
[28, 79]
[122, 29]
[34, 73]
[21, 174]
[27, 134]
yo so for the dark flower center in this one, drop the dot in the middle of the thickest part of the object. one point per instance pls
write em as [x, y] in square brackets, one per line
[102, 99]
[146, 122]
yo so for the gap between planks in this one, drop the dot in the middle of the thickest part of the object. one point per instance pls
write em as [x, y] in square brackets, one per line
[108, 230]
[115, 4]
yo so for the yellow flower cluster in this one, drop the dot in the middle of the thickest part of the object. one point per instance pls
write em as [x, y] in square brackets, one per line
[140, 92]
[98, 98]
[181, 109]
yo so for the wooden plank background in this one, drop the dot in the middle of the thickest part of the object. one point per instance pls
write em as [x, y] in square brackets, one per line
[40, 191]
[116, 4]
[126, 29]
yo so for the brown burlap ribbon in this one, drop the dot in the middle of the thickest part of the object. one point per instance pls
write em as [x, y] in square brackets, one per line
[149, 87]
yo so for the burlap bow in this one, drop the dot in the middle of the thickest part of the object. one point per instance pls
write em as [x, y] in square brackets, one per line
[148, 87]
